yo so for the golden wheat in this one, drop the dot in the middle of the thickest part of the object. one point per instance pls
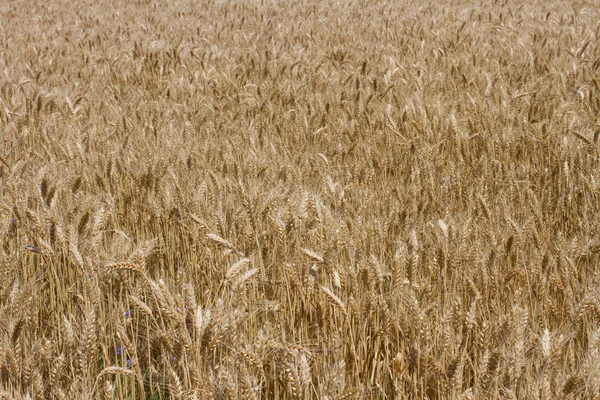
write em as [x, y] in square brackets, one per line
[299, 199]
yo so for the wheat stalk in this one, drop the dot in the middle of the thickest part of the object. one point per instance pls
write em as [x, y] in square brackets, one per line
[334, 300]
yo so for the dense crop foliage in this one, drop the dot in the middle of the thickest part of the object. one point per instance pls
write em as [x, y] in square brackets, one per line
[299, 199]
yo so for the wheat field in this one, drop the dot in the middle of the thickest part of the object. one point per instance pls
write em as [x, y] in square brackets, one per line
[310, 199]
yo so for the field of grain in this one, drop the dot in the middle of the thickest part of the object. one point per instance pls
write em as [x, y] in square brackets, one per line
[311, 199]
